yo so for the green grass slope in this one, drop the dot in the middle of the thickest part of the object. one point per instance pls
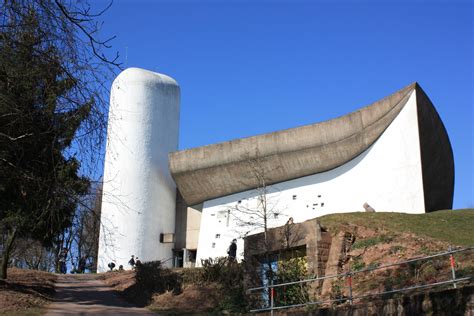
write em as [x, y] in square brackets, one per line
[453, 226]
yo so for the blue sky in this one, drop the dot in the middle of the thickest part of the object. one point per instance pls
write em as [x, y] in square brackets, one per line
[252, 67]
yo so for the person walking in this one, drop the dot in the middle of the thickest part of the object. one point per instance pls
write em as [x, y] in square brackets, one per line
[62, 261]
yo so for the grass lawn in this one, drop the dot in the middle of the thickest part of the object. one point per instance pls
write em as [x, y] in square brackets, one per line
[453, 226]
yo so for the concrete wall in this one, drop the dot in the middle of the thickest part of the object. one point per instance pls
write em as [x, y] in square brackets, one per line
[436, 156]
[291, 236]
[388, 176]
[139, 194]
[193, 227]
[188, 223]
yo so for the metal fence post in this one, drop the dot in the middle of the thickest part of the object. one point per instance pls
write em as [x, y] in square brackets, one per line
[349, 283]
[453, 264]
[272, 293]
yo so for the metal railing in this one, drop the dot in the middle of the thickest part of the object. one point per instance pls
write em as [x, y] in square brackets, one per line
[348, 275]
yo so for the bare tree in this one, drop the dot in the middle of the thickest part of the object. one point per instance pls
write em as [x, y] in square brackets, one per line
[31, 254]
[86, 233]
[258, 214]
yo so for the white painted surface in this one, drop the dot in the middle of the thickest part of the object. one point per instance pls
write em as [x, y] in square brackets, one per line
[387, 176]
[139, 194]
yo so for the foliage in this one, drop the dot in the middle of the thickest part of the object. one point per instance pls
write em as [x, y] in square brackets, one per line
[337, 289]
[52, 116]
[192, 276]
[213, 269]
[357, 264]
[229, 275]
[373, 265]
[153, 277]
[39, 199]
[369, 242]
[465, 272]
[293, 269]
[396, 249]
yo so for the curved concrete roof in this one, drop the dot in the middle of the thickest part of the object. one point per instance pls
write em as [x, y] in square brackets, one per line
[212, 171]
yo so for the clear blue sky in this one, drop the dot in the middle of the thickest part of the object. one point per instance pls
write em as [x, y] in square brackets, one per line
[251, 67]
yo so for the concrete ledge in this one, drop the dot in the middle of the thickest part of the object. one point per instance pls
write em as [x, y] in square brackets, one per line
[218, 170]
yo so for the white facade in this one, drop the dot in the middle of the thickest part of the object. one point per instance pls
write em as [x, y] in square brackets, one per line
[139, 194]
[387, 176]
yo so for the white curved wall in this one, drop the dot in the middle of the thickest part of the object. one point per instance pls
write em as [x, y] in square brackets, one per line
[139, 194]
[387, 176]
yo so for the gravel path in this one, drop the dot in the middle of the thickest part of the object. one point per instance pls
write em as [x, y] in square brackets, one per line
[84, 295]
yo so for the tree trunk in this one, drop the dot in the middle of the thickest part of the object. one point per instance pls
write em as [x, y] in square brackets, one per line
[6, 253]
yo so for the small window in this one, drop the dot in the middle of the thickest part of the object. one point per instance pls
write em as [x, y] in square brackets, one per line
[213, 245]
[238, 202]
[275, 215]
[213, 214]
[319, 195]
[322, 204]
[294, 197]
[307, 206]
[315, 204]
[218, 236]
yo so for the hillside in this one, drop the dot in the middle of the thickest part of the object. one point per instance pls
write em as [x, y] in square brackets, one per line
[451, 226]
[26, 292]
[378, 239]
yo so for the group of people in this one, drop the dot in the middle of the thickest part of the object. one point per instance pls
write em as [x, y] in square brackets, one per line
[81, 263]
[133, 262]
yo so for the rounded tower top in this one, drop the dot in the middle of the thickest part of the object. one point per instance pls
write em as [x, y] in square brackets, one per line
[143, 77]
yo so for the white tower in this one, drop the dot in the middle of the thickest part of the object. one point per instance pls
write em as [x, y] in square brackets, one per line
[139, 194]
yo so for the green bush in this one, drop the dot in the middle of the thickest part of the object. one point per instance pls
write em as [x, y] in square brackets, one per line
[337, 290]
[214, 269]
[373, 265]
[369, 242]
[465, 272]
[357, 264]
[291, 270]
[192, 276]
[396, 249]
[152, 277]
[229, 275]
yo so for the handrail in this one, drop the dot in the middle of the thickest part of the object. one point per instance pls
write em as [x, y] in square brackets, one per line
[349, 274]
[360, 271]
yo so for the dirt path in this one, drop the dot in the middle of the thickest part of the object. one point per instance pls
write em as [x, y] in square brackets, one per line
[84, 295]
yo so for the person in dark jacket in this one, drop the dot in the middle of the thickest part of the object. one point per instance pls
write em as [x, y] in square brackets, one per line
[111, 266]
[232, 251]
[132, 262]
